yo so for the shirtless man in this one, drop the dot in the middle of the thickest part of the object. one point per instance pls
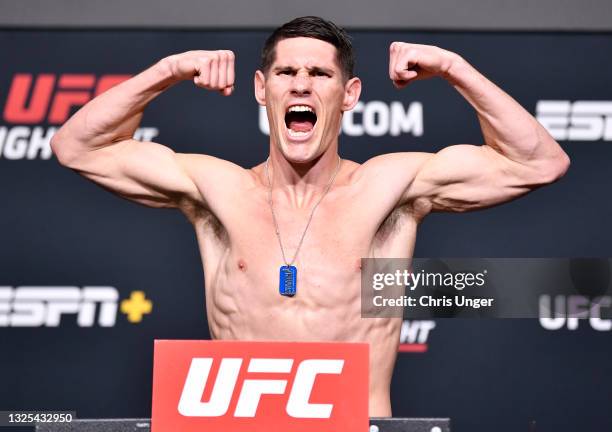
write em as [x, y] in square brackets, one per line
[370, 210]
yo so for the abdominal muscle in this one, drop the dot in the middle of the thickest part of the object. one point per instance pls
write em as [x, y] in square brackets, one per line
[243, 302]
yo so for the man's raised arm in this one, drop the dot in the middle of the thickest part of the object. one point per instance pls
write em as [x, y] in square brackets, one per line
[97, 140]
[519, 155]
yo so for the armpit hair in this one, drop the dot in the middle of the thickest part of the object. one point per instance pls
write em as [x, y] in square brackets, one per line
[416, 209]
[198, 215]
[391, 223]
[211, 222]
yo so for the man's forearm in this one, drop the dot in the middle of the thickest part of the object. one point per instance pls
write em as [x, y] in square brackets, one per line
[506, 126]
[114, 115]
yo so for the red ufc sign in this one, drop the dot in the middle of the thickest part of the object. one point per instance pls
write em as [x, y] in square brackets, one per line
[31, 98]
[259, 386]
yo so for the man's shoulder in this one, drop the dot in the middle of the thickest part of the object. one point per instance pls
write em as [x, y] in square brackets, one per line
[205, 167]
[382, 181]
[218, 182]
[388, 165]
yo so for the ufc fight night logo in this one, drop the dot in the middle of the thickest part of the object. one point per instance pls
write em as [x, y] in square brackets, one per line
[35, 100]
[50, 97]
[414, 335]
[252, 390]
[576, 121]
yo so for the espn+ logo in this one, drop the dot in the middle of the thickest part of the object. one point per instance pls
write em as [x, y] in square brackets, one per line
[36, 306]
[252, 390]
[576, 121]
[49, 99]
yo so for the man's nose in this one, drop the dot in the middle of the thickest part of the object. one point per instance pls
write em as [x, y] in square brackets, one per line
[301, 84]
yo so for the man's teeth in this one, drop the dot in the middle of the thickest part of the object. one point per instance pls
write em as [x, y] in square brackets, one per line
[300, 108]
[297, 133]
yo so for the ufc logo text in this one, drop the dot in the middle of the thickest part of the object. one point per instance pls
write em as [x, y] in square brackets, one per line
[252, 389]
[242, 386]
[52, 96]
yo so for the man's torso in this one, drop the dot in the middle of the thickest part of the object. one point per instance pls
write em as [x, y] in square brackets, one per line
[241, 257]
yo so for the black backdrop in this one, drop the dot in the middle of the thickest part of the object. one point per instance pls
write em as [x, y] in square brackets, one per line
[58, 230]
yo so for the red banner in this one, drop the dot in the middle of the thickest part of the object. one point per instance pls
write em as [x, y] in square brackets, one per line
[259, 386]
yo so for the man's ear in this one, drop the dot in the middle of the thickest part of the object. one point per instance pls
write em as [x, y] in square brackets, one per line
[352, 91]
[260, 87]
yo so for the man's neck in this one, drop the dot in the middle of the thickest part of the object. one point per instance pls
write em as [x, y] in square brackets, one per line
[302, 183]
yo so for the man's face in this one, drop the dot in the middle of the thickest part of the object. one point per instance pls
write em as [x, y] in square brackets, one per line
[305, 94]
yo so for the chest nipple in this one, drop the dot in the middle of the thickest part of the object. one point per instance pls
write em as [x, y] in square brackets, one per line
[242, 266]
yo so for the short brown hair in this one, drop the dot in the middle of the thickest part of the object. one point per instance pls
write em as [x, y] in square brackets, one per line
[316, 28]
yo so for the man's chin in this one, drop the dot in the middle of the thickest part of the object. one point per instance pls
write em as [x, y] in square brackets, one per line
[299, 153]
[299, 160]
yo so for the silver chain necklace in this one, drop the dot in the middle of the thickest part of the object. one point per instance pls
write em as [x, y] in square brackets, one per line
[288, 272]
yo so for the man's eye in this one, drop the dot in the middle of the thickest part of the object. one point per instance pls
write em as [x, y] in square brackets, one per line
[285, 72]
[321, 74]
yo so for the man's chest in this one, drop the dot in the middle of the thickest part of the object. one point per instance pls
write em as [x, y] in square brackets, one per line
[334, 225]
[325, 247]
[332, 238]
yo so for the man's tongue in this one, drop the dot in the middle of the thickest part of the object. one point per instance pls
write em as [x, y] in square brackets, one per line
[300, 126]
[300, 121]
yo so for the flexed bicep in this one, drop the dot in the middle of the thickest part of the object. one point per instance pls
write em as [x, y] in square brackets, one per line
[97, 140]
[468, 177]
[518, 154]
[145, 172]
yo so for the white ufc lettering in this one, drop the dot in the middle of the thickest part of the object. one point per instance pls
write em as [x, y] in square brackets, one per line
[568, 310]
[191, 405]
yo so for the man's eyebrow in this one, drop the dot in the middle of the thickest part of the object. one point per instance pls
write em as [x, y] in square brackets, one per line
[312, 69]
[282, 68]
[320, 69]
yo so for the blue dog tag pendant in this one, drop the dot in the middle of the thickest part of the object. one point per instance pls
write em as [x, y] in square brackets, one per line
[286, 284]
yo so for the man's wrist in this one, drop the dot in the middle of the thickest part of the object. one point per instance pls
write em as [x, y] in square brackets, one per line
[165, 72]
[458, 71]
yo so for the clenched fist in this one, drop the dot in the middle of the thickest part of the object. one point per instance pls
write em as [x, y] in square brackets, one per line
[212, 70]
[410, 62]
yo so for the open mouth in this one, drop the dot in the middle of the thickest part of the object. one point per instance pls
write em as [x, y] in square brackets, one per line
[300, 120]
